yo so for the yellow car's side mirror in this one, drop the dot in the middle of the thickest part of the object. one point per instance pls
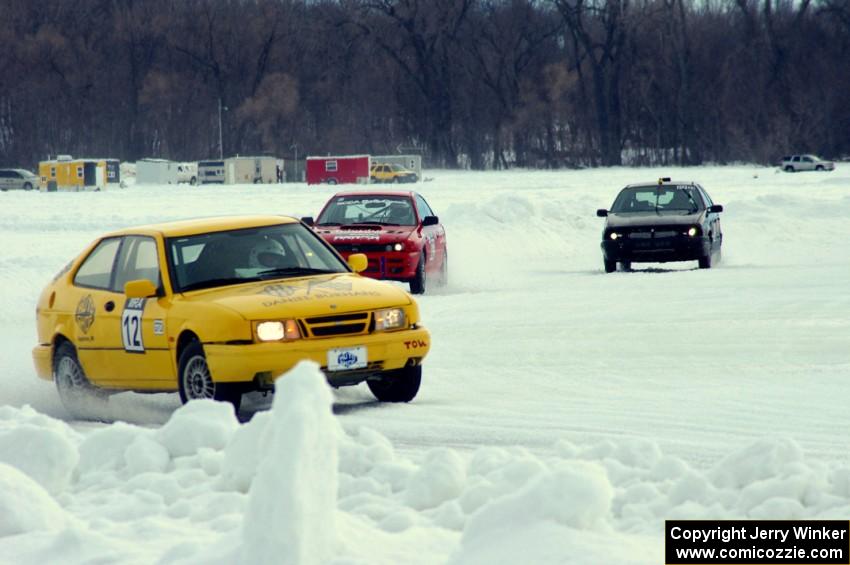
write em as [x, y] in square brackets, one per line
[142, 288]
[358, 262]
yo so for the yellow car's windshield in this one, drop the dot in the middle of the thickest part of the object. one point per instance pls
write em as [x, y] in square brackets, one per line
[231, 257]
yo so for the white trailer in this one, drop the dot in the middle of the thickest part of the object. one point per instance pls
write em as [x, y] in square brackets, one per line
[252, 170]
[156, 171]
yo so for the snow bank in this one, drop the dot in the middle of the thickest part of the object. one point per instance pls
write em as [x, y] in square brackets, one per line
[196, 425]
[291, 511]
[39, 446]
[291, 487]
[25, 506]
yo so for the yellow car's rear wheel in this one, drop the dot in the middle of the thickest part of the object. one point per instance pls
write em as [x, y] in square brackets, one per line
[196, 381]
[79, 397]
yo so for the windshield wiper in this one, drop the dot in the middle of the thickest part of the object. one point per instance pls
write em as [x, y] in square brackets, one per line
[217, 282]
[374, 224]
[283, 271]
[329, 224]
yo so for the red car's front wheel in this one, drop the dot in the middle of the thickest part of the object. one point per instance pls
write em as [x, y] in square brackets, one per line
[417, 283]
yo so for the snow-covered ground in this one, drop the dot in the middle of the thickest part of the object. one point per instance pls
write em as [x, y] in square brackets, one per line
[564, 413]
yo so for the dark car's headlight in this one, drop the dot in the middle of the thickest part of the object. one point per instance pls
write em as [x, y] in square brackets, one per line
[693, 231]
[614, 236]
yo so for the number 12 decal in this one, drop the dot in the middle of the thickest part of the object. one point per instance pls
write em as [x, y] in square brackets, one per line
[131, 325]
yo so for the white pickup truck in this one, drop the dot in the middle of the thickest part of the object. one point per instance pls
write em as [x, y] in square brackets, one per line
[794, 163]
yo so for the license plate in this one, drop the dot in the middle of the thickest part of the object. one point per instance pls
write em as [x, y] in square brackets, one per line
[347, 358]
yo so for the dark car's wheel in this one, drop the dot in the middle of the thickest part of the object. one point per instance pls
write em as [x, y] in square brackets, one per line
[397, 386]
[610, 266]
[417, 283]
[78, 395]
[196, 380]
[626, 266]
[712, 257]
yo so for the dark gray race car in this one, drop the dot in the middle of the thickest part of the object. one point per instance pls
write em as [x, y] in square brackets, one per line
[661, 222]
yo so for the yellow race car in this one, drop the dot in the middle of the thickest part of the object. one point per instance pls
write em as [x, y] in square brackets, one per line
[216, 307]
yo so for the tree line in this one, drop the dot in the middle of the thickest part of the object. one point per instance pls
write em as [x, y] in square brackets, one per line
[468, 83]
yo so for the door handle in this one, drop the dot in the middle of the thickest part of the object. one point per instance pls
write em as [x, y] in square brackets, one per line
[109, 306]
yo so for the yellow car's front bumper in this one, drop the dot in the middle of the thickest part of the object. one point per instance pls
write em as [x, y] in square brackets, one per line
[263, 362]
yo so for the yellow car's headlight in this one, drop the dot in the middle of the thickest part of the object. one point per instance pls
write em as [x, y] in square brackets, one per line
[389, 319]
[278, 330]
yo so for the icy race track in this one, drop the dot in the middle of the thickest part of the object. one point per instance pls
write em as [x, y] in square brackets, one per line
[564, 413]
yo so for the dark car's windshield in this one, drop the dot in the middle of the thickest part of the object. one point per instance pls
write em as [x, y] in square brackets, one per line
[230, 257]
[683, 198]
[368, 209]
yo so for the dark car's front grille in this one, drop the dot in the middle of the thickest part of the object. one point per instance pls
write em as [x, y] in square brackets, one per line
[343, 324]
[650, 234]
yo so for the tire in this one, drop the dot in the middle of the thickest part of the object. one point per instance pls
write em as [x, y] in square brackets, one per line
[79, 397]
[400, 385]
[789, 169]
[610, 266]
[626, 265]
[332, 181]
[28, 186]
[396, 180]
[705, 262]
[418, 282]
[819, 168]
[195, 380]
[193, 181]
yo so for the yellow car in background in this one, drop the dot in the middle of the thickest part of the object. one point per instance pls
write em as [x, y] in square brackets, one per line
[214, 308]
[391, 172]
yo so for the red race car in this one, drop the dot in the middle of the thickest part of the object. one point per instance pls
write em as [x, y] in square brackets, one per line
[398, 232]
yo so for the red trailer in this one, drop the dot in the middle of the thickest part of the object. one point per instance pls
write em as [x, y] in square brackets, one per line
[345, 169]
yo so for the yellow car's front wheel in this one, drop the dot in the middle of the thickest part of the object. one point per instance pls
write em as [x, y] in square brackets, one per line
[400, 385]
[196, 380]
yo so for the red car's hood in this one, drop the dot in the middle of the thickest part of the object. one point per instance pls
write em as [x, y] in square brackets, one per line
[364, 234]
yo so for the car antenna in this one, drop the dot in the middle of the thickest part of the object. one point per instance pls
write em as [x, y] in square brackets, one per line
[661, 181]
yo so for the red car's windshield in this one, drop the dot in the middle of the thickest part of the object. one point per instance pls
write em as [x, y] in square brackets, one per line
[368, 209]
